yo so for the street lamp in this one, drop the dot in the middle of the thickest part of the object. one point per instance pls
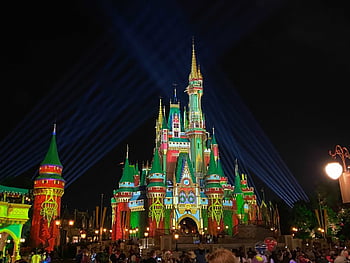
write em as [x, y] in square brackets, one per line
[176, 236]
[336, 170]
[146, 236]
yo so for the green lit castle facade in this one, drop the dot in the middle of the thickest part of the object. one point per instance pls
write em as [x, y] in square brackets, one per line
[185, 188]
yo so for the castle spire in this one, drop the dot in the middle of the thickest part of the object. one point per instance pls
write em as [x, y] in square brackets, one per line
[175, 100]
[219, 168]
[238, 189]
[52, 154]
[213, 140]
[159, 122]
[51, 166]
[212, 169]
[160, 113]
[156, 167]
[194, 70]
[127, 175]
[164, 124]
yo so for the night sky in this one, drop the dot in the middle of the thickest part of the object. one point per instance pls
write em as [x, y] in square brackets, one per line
[291, 68]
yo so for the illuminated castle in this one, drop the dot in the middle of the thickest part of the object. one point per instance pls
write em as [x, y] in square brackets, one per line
[185, 189]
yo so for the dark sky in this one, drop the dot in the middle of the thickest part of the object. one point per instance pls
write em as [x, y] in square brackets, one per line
[291, 69]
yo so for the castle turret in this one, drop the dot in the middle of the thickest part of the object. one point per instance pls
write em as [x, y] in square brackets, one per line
[137, 203]
[120, 202]
[214, 146]
[164, 134]
[238, 196]
[156, 190]
[196, 127]
[48, 191]
[215, 193]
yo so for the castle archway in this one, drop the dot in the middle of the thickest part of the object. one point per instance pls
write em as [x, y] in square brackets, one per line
[188, 225]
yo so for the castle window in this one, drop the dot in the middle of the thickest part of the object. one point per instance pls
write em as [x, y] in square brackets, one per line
[182, 197]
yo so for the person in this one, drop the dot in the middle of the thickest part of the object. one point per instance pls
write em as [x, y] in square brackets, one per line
[260, 257]
[102, 257]
[151, 257]
[79, 256]
[23, 259]
[122, 257]
[331, 256]
[93, 256]
[36, 258]
[47, 257]
[114, 257]
[167, 257]
[343, 257]
[200, 254]
[322, 258]
[133, 257]
[291, 257]
[85, 257]
[221, 255]
[191, 256]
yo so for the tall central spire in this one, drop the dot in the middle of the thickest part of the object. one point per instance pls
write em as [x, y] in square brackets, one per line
[195, 129]
[194, 69]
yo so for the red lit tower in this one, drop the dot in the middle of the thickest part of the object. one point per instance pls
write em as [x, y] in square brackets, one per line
[120, 202]
[48, 190]
[156, 190]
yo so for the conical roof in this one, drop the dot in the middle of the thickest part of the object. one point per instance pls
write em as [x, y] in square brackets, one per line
[156, 167]
[194, 70]
[212, 169]
[219, 169]
[238, 189]
[143, 177]
[52, 153]
[127, 175]
[51, 166]
[213, 139]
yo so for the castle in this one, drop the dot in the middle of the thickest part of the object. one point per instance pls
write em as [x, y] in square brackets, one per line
[185, 188]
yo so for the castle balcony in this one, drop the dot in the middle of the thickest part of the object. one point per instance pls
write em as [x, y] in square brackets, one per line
[14, 207]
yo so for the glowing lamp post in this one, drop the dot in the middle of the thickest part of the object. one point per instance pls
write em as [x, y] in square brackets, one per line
[334, 170]
[339, 171]
[176, 236]
[146, 236]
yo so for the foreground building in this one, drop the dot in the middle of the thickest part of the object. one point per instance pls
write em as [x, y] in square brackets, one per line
[48, 191]
[14, 207]
[185, 189]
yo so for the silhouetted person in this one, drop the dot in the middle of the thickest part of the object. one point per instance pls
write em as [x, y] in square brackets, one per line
[221, 255]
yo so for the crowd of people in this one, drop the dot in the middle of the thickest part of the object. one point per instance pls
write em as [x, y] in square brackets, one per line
[116, 253]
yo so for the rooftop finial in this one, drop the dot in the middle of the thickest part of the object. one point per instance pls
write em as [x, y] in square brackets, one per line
[160, 116]
[127, 151]
[175, 97]
[199, 72]
[54, 129]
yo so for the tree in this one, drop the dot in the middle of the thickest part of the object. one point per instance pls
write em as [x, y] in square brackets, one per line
[344, 222]
[303, 219]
